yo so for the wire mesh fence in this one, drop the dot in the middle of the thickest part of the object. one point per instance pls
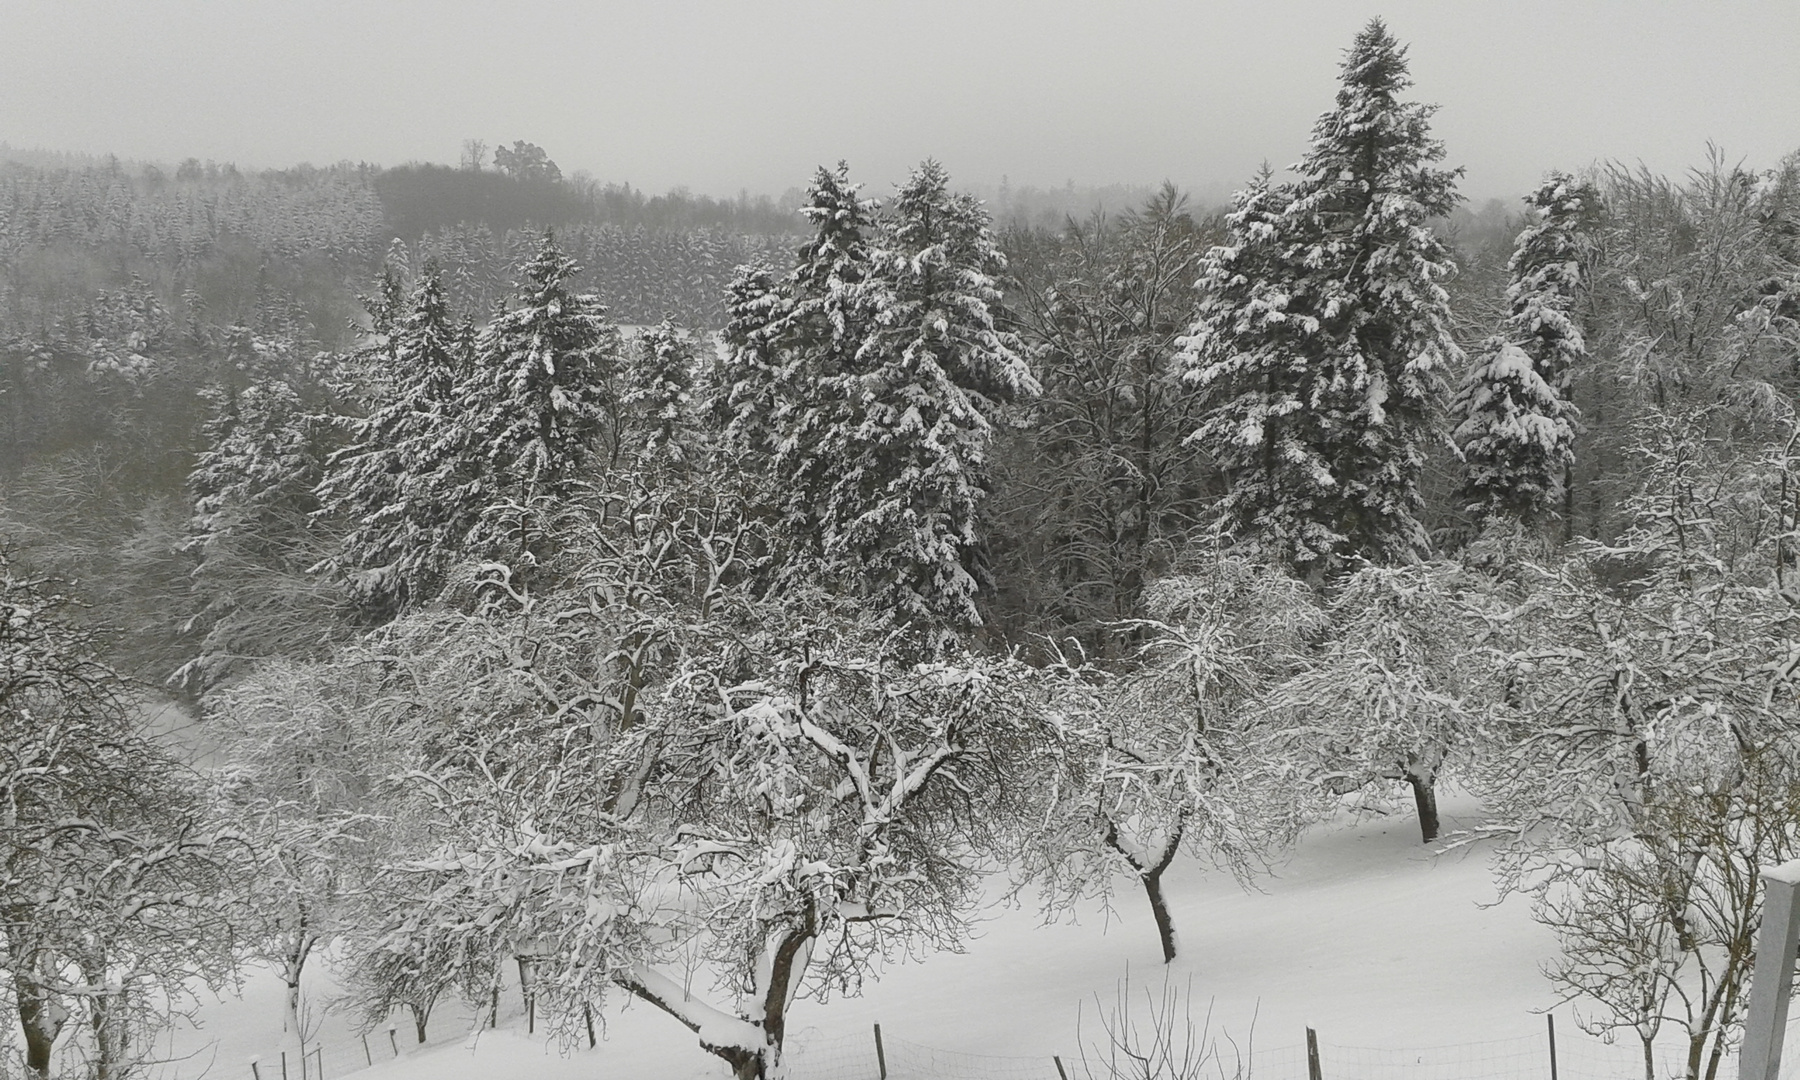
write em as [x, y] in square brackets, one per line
[909, 1060]
[326, 1060]
[840, 1057]
[1497, 1059]
[330, 1059]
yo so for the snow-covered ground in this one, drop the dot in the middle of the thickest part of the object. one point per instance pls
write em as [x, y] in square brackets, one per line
[1399, 958]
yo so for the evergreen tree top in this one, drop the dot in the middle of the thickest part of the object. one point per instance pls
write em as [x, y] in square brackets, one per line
[1370, 156]
[541, 281]
[842, 222]
[1563, 232]
[1374, 64]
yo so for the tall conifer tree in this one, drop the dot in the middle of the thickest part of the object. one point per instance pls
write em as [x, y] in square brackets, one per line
[794, 345]
[867, 381]
[397, 484]
[934, 374]
[1343, 331]
[541, 402]
[1516, 426]
[659, 392]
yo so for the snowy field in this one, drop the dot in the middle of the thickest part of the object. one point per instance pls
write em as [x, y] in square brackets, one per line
[1364, 934]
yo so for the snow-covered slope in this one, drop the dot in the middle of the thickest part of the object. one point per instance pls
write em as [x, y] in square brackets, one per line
[1363, 934]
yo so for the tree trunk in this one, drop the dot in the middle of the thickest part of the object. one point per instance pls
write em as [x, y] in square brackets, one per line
[1425, 798]
[111, 1038]
[298, 950]
[291, 1022]
[1159, 909]
[1151, 874]
[41, 1018]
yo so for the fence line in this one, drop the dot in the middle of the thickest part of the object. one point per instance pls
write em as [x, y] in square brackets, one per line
[335, 1058]
[1579, 1056]
[885, 1056]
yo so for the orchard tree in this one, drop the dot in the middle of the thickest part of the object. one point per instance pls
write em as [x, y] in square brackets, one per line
[1321, 360]
[297, 780]
[1516, 426]
[784, 794]
[1652, 776]
[115, 891]
[1401, 685]
[1171, 754]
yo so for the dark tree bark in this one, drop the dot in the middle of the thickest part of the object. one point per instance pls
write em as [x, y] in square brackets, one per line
[1151, 876]
[41, 1020]
[1425, 798]
[1159, 909]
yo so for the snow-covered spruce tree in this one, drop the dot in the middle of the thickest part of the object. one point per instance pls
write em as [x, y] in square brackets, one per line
[540, 408]
[933, 374]
[868, 379]
[1321, 360]
[1516, 426]
[273, 426]
[741, 390]
[659, 393]
[1244, 358]
[397, 486]
[806, 362]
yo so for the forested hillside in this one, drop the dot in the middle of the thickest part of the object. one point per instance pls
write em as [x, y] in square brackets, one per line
[617, 587]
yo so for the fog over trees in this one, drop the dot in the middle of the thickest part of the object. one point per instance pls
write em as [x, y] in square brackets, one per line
[601, 584]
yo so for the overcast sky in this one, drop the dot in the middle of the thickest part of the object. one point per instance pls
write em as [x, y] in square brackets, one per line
[723, 96]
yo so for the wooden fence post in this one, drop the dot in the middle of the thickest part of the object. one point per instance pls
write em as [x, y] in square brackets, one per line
[587, 1013]
[1060, 1071]
[1313, 1069]
[284, 1075]
[393, 1042]
[1552, 1022]
[255, 1073]
[366, 1053]
[880, 1054]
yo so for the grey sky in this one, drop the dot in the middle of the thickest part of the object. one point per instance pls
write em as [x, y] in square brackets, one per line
[727, 95]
